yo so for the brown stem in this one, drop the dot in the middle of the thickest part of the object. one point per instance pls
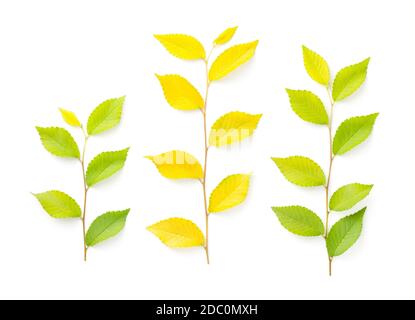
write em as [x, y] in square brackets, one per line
[327, 186]
[83, 218]
[330, 266]
[206, 143]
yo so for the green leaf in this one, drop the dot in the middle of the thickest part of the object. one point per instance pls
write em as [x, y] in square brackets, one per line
[58, 142]
[349, 195]
[106, 226]
[106, 116]
[308, 106]
[353, 132]
[317, 68]
[301, 171]
[300, 221]
[58, 204]
[345, 233]
[349, 80]
[105, 165]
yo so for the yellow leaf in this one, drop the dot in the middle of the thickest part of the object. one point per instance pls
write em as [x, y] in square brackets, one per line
[317, 68]
[180, 93]
[233, 127]
[231, 192]
[225, 36]
[231, 59]
[182, 46]
[178, 233]
[70, 118]
[177, 165]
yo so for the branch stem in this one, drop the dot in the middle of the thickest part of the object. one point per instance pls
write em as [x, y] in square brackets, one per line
[206, 151]
[83, 218]
[327, 186]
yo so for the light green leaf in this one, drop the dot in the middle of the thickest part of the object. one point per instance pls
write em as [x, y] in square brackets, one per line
[106, 116]
[58, 142]
[105, 165]
[344, 234]
[317, 68]
[300, 221]
[349, 80]
[301, 171]
[106, 226]
[58, 204]
[349, 195]
[353, 132]
[308, 106]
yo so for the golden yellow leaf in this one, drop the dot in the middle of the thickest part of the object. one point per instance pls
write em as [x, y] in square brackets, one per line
[178, 233]
[177, 165]
[231, 59]
[233, 127]
[231, 192]
[225, 36]
[182, 46]
[70, 118]
[180, 93]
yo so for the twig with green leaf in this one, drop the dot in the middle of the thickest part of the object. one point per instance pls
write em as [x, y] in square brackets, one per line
[59, 142]
[304, 172]
[230, 128]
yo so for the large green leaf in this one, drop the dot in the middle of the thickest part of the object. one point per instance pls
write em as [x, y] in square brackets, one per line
[105, 165]
[348, 196]
[308, 106]
[106, 116]
[344, 234]
[349, 80]
[317, 68]
[353, 132]
[58, 204]
[301, 171]
[300, 221]
[58, 142]
[106, 226]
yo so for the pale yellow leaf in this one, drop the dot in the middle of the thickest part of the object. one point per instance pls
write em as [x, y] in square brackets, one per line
[180, 93]
[177, 165]
[317, 68]
[182, 46]
[231, 59]
[70, 118]
[225, 36]
[178, 233]
[231, 192]
[233, 127]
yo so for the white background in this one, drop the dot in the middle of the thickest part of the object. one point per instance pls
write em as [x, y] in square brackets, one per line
[76, 54]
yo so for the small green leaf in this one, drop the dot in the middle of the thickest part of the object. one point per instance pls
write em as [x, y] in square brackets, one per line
[105, 165]
[58, 142]
[106, 116]
[344, 234]
[301, 171]
[349, 80]
[317, 68]
[300, 221]
[58, 204]
[349, 195]
[353, 132]
[308, 106]
[106, 226]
